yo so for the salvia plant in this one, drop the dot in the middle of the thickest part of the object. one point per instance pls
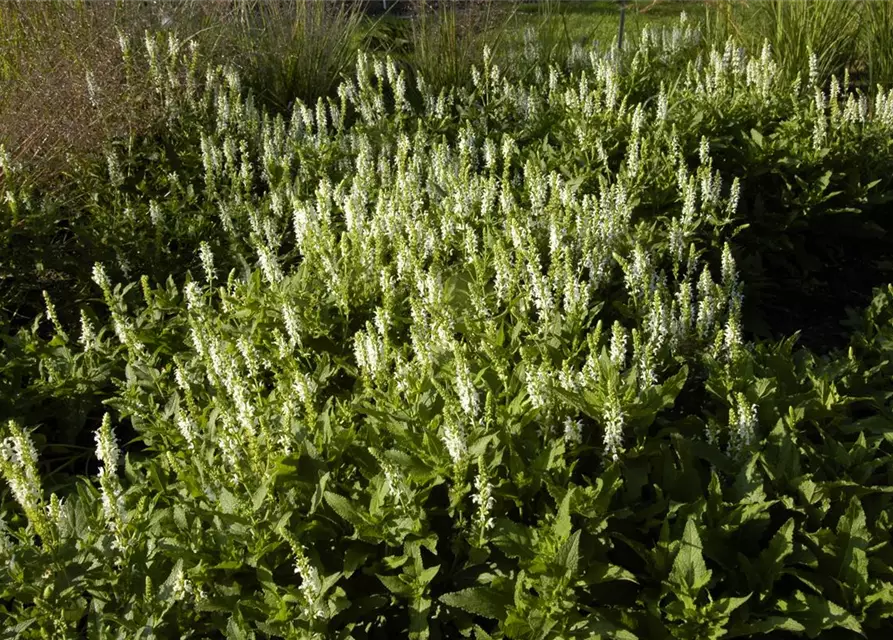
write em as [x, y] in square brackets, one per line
[473, 363]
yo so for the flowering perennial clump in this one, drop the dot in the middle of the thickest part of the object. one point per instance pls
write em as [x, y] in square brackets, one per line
[473, 361]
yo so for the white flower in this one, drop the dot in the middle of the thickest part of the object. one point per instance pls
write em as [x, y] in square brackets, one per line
[100, 278]
[707, 306]
[394, 483]
[292, 325]
[813, 69]
[734, 196]
[468, 395]
[639, 273]
[187, 428]
[207, 258]
[112, 494]
[54, 512]
[106, 445]
[116, 177]
[614, 417]
[19, 466]
[156, 215]
[729, 274]
[249, 355]
[454, 439]
[193, 292]
[618, 345]
[88, 333]
[180, 585]
[704, 151]
[568, 378]
[268, 263]
[573, 431]
[743, 424]
[304, 387]
[198, 341]
[732, 340]
[369, 351]
[662, 104]
[483, 499]
[538, 383]
[311, 584]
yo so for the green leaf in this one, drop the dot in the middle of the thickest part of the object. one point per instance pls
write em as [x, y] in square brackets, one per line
[772, 558]
[344, 508]
[767, 625]
[725, 606]
[229, 504]
[561, 529]
[689, 569]
[318, 493]
[568, 556]
[599, 573]
[419, 614]
[854, 534]
[513, 539]
[818, 614]
[396, 585]
[480, 634]
[235, 629]
[14, 632]
[481, 601]
[757, 137]
[180, 517]
[853, 523]
[427, 575]
[672, 387]
[354, 558]
[257, 500]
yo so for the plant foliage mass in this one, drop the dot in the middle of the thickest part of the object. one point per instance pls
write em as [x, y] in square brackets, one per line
[502, 360]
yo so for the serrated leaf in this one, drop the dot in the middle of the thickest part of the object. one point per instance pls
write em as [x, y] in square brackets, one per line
[568, 556]
[419, 613]
[725, 606]
[772, 558]
[319, 493]
[344, 508]
[480, 634]
[810, 491]
[561, 529]
[354, 558]
[235, 630]
[257, 500]
[767, 625]
[428, 574]
[481, 601]
[689, 569]
[180, 517]
[854, 534]
[229, 504]
[599, 573]
[853, 523]
[513, 539]
[396, 585]
[818, 614]
[14, 632]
